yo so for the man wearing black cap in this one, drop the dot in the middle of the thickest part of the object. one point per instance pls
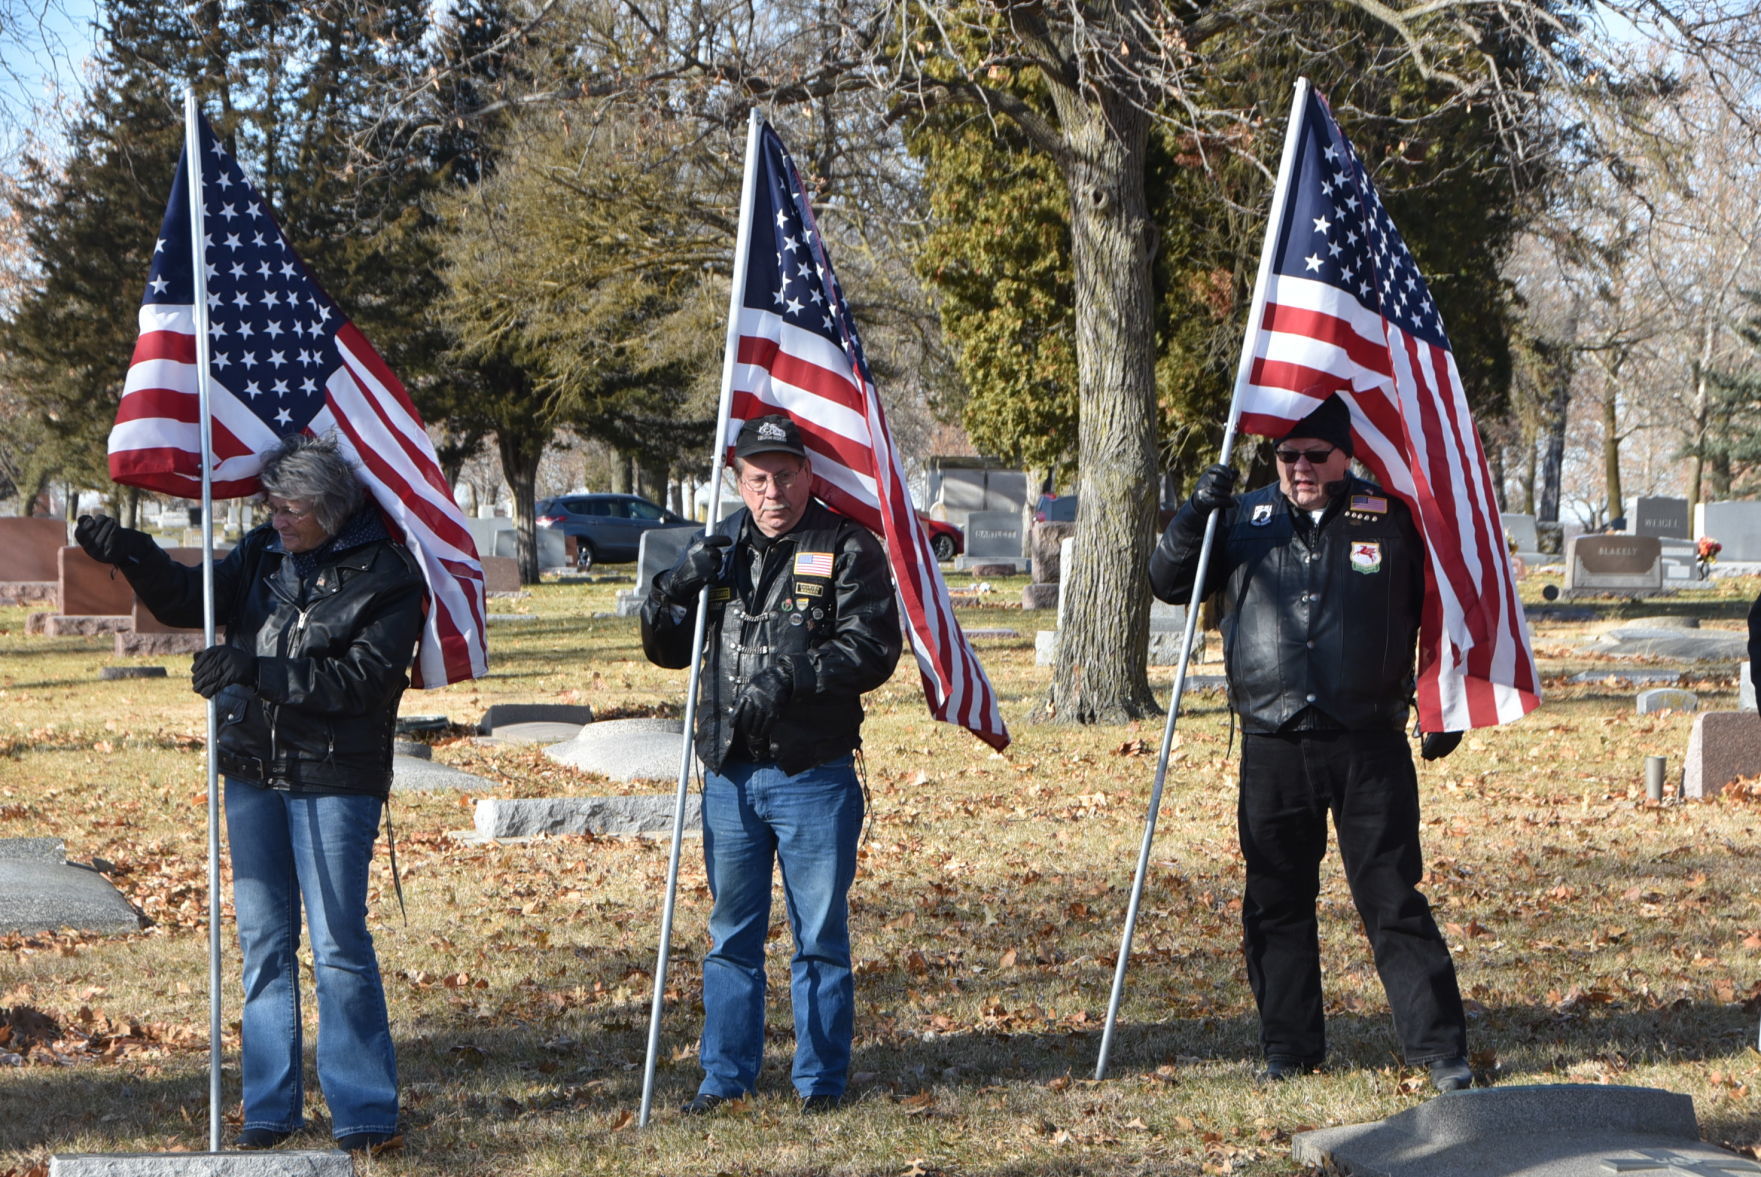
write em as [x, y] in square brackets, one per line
[801, 622]
[1322, 582]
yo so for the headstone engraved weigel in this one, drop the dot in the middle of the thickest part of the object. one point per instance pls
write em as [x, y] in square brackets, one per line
[1564, 1130]
[1659, 515]
[1629, 564]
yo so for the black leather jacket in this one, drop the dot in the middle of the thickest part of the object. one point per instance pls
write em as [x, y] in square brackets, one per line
[1323, 615]
[333, 651]
[835, 630]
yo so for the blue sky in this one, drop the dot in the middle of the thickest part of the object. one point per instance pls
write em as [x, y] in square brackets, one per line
[42, 46]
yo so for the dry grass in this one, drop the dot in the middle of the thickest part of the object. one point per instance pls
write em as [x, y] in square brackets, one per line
[1598, 938]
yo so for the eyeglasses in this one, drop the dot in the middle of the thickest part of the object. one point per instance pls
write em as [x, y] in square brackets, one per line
[283, 511]
[782, 480]
[1315, 457]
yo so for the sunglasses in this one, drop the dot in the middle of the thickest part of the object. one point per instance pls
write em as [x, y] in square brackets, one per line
[1315, 457]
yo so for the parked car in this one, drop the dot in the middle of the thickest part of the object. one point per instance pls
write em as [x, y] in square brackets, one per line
[606, 528]
[1055, 509]
[945, 540]
[1062, 509]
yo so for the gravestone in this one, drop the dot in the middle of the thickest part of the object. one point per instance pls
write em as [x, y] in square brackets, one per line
[149, 637]
[1746, 688]
[1039, 596]
[1666, 699]
[40, 891]
[626, 749]
[1627, 678]
[417, 774]
[531, 817]
[1724, 745]
[1736, 525]
[86, 587]
[1662, 516]
[1521, 528]
[501, 574]
[32, 547]
[1637, 641]
[1563, 1130]
[1627, 564]
[993, 537]
[1048, 542]
[483, 532]
[553, 549]
[658, 550]
[963, 490]
[502, 715]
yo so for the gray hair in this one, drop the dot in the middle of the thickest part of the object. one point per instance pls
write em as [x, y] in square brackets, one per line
[313, 470]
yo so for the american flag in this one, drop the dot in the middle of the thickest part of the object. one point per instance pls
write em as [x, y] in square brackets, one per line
[799, 354]
[1347, 310]
[283, 359]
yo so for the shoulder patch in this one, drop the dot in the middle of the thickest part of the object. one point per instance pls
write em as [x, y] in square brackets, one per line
[1262, 514]
[813, 564]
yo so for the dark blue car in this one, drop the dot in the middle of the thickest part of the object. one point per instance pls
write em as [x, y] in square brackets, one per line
[606, 528]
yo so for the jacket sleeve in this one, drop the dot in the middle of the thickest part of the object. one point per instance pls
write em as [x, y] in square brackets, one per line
[373, 666]
[667, 629]
[864, 649]
[1174, 563]
[172, 592]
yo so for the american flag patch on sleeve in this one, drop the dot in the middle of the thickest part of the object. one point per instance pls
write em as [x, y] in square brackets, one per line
[813, 564]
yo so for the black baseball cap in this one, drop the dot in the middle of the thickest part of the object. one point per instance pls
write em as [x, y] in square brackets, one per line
[773, 434]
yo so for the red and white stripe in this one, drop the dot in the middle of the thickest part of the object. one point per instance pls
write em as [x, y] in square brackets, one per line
[1413, 429]
[857, 472]
[156, 444]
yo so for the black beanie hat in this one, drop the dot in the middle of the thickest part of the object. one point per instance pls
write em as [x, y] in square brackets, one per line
[1330, 422]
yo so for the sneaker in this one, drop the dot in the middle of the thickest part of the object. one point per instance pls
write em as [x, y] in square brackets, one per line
[1451, 1074]
[819, 1105]
[371, 1143]
[703, 1103]
[257, 1139]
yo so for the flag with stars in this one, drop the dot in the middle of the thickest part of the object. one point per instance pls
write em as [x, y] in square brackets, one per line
[1346, 310]
[283, 359]
[799, 354]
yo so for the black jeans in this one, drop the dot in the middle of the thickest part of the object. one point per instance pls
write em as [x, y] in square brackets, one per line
[1289, 783]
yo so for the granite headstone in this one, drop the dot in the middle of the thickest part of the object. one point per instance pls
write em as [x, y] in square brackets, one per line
[1724, 745]
[1614, 564]
[32, 547]
[1659, 515]
[1736, 525]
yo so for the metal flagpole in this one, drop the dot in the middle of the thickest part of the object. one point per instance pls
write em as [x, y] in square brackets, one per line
[1243, 372]
[193, 181]
[718, 463]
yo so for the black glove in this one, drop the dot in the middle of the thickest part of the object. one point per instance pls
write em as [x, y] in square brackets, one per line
[1215, 488]
[1437, 745]
[700, 565]
[761, 702]
[221, 666]
[107, 541]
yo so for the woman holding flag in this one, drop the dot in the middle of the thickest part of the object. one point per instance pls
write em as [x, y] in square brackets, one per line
[322, 611]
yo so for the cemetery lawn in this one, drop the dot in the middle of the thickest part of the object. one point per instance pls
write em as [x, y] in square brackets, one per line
[1599, 939]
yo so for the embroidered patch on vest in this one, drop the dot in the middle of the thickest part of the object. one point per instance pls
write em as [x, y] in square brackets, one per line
[809, 590]
[813, 564]
[1262, 514]
[720, 594]
[1366, 557]
[1369, 504]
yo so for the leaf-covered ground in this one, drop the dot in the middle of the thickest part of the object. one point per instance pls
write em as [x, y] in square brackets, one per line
[1599, 938]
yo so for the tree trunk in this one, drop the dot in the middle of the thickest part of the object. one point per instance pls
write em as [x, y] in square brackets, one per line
[520, 453]
[1611, 454]
[1552, 463]
[1101, 671]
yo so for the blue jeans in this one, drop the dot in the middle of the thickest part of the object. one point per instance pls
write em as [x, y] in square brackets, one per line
[286, 847]
[754, 814]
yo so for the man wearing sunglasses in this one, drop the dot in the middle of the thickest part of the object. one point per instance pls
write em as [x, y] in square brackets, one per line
[1321, 579]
